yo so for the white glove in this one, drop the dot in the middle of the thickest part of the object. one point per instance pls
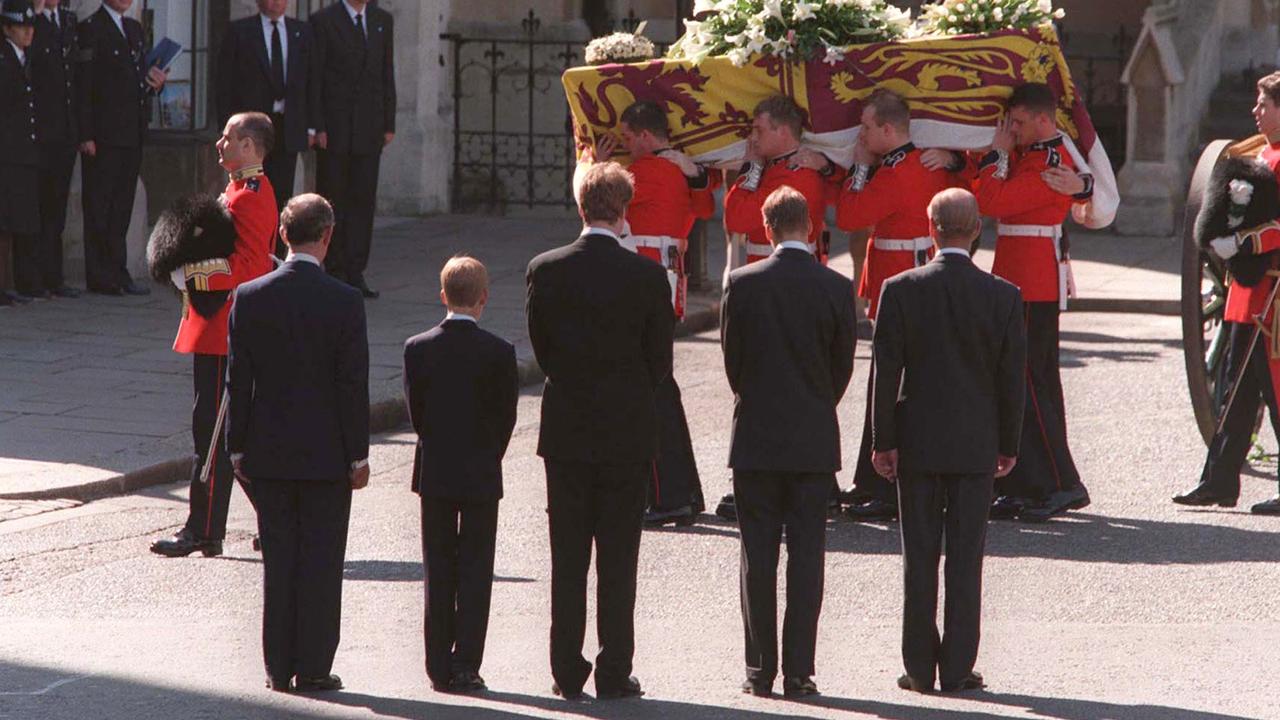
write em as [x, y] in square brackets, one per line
[1225, 247]
[179, 278]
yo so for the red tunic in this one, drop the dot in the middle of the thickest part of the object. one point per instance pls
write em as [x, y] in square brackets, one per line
[1024, 198]
[742, 207]
[663, 203]
[893, 203]
[252, 204]
[1244, 303]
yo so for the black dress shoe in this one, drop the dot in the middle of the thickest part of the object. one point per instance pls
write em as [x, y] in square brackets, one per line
[365, 290]
[1056, 504]
[1006, 507]
[66, 291]
[1202, 495]
[1267, 507]
[853, 496]
[681, 516]
[797, 687]
[109, 290]
[759, 688]
[566, 694]
[257, 544]
[727, 509]
[906, 682]
[183, 543]
[464, 682]
[874, 509]
[972, 681]
[133, 288]
[278, 685]
[317, 684]
[628, 689]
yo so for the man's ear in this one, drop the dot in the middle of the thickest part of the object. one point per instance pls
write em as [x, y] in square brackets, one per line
[443, 301]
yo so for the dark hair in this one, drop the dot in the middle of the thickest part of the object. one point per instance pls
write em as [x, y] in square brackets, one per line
[891, 109]
[605, 191]
[257, 127]
[305, 218]
[646, 115]
[1269, 85]
[782, 110]
[785, 211]
[1035, 98]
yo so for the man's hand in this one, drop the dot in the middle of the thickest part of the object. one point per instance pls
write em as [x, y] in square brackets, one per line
[320, 140]
[387, 138]
[886, 464]
[1004, 465]
[1004, 138]
[686, 164]
[359, 477]
[862, 155]
[156, 78]
[1225, 247]
[603, 150]
[809, 159]
[938, 159]
[89, 147]
[236, 463]
[1063, 181]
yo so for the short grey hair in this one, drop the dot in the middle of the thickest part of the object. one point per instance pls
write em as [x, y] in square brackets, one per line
[305, 218]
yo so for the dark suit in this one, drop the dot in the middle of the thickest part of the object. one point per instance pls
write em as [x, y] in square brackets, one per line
[298, 384]
[114, 112]
[787, 328]
[245, 84]
[53, 57]
[601, 324]
[950, 353]
[353, 86]
[19, 174]
[461, 387]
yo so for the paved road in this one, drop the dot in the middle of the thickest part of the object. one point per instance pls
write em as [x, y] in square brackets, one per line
[1131, 609]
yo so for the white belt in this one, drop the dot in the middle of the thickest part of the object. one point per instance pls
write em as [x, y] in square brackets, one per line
[1049, 231]
[912, 245]
[661, 242]
[759, 249]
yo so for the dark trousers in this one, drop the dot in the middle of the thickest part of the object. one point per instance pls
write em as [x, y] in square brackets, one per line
[207, 517]
[674, 482]
[350, 183]
[56, 165]
[1044, 460]
[1228, 449]
[303, 527]
[23, 250]
[603, 504]
[110, 180]
[767, 503]
[458, 544]
[280, 165]
[930, 507]
[866, 481]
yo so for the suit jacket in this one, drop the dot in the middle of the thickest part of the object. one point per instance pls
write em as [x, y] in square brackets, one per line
[461, 386]
[54, 53]
[353, 83]
[17, 118]
[115, 102]
[298, 375]
[950, 353]
[788, 331]
[244, 76]
[601, 324]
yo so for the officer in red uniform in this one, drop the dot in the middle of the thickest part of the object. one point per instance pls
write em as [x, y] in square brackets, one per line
[671, 192]
[250, 200]
[1220, 479]
[1031, 254]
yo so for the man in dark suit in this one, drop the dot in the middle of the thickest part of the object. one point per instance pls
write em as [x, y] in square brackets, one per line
[788, 331]
[461, 387]
[950, 349]
[353, 86]
[115, 108]
[53, 59]
[601, 325]
[263, 67]
[298, 430]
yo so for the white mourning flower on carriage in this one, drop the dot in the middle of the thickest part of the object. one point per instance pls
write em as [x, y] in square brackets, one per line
[617, 48]
[802, 11]
[833, 55]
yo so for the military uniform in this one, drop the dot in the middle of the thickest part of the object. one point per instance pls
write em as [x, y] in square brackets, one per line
[114, 110]
[19, 161]
[743, 203]
[53, 58]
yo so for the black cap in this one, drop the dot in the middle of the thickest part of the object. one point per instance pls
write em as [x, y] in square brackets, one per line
[17, 12]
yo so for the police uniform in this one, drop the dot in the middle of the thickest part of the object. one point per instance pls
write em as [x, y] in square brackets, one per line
[892, 198]
[114, 111]
[1031, 254]
[19, 162]
[662, 211]
[53, 59]
[743, 203]
[250, 200]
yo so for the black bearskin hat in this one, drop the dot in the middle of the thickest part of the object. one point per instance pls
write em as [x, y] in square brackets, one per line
[1215, 219]
[197, 227]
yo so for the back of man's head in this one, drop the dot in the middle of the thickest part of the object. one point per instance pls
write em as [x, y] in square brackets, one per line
[305, 220]
[604, 193]
[463, 282]
[786, 215]
[953, 218]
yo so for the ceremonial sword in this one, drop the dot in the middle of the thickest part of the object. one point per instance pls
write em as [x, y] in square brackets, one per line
[211, 457]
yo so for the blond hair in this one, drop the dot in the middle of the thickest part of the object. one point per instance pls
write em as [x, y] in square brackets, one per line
[464, 281]
[604, 192]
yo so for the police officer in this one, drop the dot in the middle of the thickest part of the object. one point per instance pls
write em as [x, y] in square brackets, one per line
[53, 56]
[115, 94]
[19, 219]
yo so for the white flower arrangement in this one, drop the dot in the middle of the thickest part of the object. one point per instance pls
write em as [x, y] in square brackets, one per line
[620, 47]
[793, 29]
[963, 17]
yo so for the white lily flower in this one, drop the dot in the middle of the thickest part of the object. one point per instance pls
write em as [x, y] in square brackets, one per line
[1044, 6]
[739, 56]
[833, 55]
[802, 11]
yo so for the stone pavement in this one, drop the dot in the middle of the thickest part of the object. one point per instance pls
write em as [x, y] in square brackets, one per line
[94, 402]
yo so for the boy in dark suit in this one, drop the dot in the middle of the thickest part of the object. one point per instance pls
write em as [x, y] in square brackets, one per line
[461, 386]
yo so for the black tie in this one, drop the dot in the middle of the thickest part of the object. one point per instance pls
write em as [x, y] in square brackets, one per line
[360, 28]
[277, 60]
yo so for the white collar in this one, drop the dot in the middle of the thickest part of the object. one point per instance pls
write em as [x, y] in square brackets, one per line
[117, 17]
[352, 11]
[451, 315]
[304, 257]
[266, 22]
[596, 230]
[22, 56]
[794, 245]
[953, 251]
